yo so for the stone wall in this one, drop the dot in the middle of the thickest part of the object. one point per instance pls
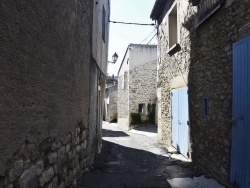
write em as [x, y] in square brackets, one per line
[112, 106]
[142, 85]
[171, 67]
[97, 89]
[123, 101]
[102, 84]
[45, 89]
[211, 76]
[205, 64]
[51, 163]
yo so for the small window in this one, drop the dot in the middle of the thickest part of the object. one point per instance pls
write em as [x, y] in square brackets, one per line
[172, 27]
[205, 107]
[142, 108]
[125, 80]
[103, 23]
[122, 82]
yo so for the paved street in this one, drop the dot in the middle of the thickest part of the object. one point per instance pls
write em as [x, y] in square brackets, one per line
[135, 159]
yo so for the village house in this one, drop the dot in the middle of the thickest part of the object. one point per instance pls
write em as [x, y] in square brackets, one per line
[203, 83]
[111, 94]
[137, 85]
[53, 67]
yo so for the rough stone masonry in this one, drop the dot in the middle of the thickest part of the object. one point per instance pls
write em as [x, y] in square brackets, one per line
[204, 64]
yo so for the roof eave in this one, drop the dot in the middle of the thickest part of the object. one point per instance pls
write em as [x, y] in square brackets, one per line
[157, 9]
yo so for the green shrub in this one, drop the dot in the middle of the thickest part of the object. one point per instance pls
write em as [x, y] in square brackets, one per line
[151, 113]
[135, 118]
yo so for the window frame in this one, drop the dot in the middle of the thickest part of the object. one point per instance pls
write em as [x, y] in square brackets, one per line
[205, 107]
[125, 80]
[175, 47]
[141, 110]
[170, 21]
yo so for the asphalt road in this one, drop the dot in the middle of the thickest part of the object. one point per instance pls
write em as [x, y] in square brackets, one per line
[135, 159]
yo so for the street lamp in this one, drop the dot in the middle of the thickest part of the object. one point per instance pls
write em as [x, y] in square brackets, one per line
[114, 58]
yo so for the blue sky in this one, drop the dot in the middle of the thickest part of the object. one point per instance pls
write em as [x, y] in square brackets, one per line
[120, 35]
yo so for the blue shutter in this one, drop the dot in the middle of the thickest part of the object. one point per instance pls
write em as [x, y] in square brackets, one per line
[180, 117]
[240, 156]
[183, 121]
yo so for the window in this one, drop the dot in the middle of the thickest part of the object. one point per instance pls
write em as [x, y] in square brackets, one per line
[122, 82]
[142, 108]
[103, 23]
[205, 107]
[125, 80]
[172, 27]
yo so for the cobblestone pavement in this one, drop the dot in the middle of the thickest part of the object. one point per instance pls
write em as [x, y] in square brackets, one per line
[135, 159]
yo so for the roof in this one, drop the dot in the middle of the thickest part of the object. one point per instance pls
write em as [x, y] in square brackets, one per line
[158, 9]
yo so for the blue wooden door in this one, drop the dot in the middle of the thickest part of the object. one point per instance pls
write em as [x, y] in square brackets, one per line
[240, 157]
[180, 131]
[183, 121]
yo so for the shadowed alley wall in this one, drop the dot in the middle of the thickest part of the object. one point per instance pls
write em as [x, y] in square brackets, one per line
[45, 55]
[210, 75]
[203, 63]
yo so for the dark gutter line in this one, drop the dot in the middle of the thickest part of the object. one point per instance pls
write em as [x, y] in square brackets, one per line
[123, 60]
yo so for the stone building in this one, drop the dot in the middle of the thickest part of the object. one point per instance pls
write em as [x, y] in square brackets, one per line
[53, 66]
[111, 81]
[136, 83]
[111, 103]
[202, 48]
[111, 94]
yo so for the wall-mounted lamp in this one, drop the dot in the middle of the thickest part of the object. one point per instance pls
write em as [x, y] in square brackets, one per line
[114, 58]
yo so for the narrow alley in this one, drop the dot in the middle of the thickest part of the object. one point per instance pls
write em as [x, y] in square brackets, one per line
[135, 159]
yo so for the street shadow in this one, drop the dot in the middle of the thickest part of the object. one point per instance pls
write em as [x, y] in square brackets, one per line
[109, 133]
[125, 167]
[147, 128]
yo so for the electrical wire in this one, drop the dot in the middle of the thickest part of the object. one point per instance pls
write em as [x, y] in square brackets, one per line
[133, 23]
[144, 44]
[148, 36]
[152, 38]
